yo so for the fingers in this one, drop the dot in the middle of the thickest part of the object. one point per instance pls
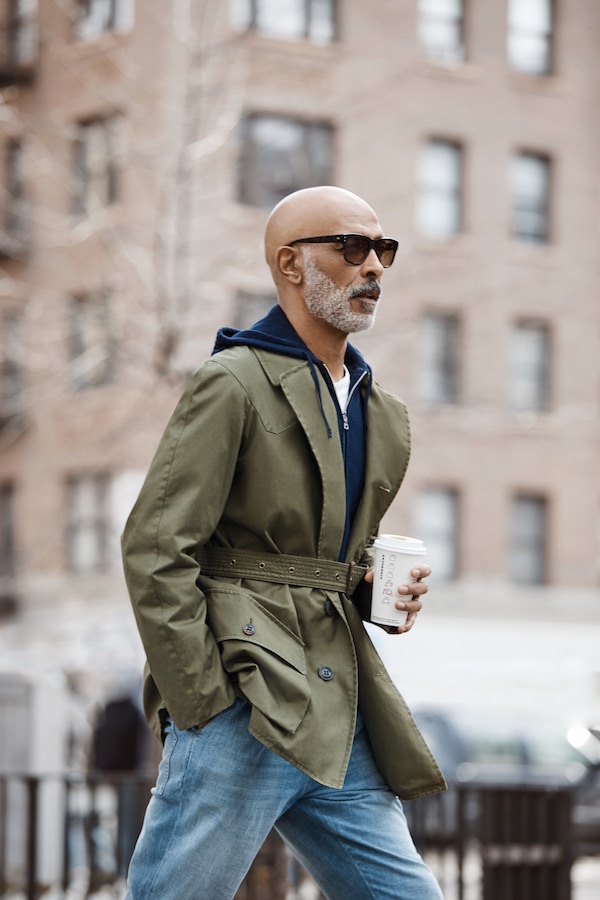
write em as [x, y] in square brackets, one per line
[413, 606]
[415, 589]
[409, 597]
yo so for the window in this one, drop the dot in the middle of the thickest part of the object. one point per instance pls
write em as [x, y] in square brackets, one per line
[92, 345]
[441, 30]
[280, 155]
[88, 523]
[11, 368]
[15, 216]
[439, 189]
[252, 307]
[97, 157]
[291, 19]
[529, 538]
[7, 530]
[530, 36]
[98, 16]
[439, 358]
[530, 184]
[530, 367]
[23, 32]
[437, 526]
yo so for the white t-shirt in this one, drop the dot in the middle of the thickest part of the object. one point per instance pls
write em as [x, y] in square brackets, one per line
[342, 389]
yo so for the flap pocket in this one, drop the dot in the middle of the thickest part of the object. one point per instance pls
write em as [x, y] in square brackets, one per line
[263, 656]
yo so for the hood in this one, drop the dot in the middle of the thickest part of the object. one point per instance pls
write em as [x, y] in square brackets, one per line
[275, 332]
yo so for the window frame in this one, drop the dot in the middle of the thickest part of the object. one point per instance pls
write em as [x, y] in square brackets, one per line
[80, 526]
[253, 189]
[449, 539]
[16, 220]
[93, 312]
[449, 56]
[245, 16]
[537, 564]
[8, 554]
[12, 369]
[89, 174]
[548, 36]
[450, 193]
[522, 206]
[540, 382]
[439, 369]
[23, 33]
[92, 21]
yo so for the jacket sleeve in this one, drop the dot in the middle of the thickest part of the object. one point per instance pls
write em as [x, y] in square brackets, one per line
[178, 509]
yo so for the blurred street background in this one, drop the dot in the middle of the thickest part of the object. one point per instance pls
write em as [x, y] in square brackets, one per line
[142, 146]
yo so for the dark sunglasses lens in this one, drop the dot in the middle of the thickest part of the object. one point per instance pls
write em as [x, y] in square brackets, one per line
[386, 250]
[356, 249]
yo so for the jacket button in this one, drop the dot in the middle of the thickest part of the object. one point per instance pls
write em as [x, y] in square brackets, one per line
[249, 628]
[325, 673]
[330, 609]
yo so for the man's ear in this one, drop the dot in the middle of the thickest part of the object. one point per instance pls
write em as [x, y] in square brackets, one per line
[289, 263]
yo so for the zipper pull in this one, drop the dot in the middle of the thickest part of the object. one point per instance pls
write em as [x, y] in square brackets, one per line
[345, 418]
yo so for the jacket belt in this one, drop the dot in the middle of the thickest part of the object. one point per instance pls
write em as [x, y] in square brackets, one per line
[281, 568]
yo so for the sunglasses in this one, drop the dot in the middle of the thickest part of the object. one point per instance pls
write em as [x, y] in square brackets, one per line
[357, 247]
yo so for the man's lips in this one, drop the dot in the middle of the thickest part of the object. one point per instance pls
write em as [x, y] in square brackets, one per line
[371, 296]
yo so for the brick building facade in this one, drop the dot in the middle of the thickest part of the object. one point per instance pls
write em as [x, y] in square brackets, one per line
[141, 147]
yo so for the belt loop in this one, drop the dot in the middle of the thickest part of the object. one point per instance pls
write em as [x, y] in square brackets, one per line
[349, 578]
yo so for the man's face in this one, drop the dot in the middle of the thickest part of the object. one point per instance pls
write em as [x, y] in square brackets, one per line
[346, 307]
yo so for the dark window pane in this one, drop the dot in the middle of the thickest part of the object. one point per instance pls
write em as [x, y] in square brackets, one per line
[531, 197]
[441, 30]
[530, 367]
[528, 550]
[281, 155]
[438, 363]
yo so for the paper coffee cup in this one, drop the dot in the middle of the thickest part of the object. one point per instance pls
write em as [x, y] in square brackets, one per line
[395, 556]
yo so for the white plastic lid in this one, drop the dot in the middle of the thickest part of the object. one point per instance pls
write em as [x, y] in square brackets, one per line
[400, 544]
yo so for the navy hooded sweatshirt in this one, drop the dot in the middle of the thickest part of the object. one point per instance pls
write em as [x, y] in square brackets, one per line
[274, 332]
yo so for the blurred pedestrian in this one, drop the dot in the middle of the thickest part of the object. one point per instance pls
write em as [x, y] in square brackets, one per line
[118, 750]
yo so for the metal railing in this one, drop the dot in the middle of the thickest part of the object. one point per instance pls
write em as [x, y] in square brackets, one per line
[75, 834]
[503, 842]
[67, 831]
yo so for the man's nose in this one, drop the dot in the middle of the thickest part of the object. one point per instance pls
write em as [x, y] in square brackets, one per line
[372, 265]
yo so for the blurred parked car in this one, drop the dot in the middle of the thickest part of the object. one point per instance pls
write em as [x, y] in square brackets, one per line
[492, 748]
[484, 747]
[586, 809]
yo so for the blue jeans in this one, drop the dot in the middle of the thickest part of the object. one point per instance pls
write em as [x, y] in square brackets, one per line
[218, 794]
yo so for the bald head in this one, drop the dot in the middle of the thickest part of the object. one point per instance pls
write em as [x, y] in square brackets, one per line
[316, 211]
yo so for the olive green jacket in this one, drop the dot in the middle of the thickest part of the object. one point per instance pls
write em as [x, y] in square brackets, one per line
[246, 462]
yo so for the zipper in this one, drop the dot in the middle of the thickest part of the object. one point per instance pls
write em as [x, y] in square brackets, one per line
[350, 395]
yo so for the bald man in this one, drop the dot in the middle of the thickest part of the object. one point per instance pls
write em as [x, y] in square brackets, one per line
[248, 558]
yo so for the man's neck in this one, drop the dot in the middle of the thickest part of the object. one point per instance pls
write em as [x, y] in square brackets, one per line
[327, 343]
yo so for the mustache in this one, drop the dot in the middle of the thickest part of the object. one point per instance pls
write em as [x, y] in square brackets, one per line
[371, 289]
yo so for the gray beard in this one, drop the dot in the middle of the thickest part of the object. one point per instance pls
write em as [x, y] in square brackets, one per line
[327, 301]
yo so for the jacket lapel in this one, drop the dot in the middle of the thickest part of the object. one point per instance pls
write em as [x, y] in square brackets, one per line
[295, 379]
[388, 452]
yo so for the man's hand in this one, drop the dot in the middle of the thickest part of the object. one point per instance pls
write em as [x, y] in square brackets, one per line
[408, 596]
